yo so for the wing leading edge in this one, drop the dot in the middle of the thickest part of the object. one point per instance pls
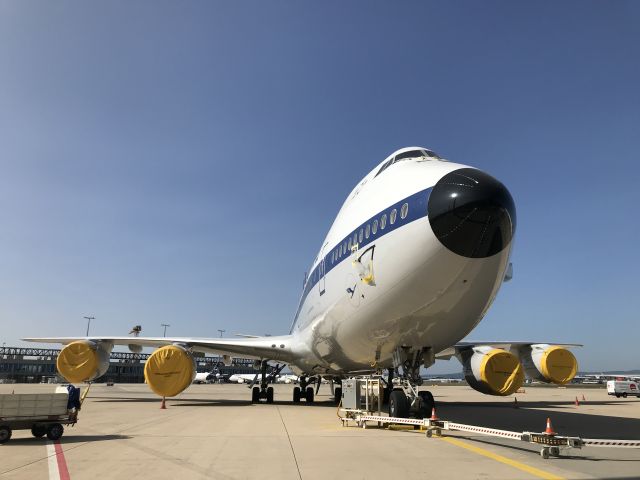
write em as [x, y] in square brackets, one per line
[271, 348]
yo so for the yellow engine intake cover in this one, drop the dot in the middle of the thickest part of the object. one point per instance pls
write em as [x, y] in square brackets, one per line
[558, 365]
[77, 362]
[169, 370]
[502, 372]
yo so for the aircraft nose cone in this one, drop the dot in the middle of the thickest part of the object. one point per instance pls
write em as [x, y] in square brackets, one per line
[472, 213]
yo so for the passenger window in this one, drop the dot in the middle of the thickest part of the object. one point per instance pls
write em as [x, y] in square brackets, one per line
[383, 221]
[344, 247]
[355, 238]
[349, 243]
[367, 230]
[392, 216]
[404, 210]
[360, 235]
[374, 227]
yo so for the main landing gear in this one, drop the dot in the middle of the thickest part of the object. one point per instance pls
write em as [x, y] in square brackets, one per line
[264, 391]
[404, 398]
[306, 391]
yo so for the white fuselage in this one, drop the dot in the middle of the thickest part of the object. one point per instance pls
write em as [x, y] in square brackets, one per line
[398, 287]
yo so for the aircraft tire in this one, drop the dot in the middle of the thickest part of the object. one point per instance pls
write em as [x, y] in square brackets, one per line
[624, 394]
[296, 395]
[309, 394]
[337, 395]
[255, 394]
[426, 405]
[270, 395]
[398, 405]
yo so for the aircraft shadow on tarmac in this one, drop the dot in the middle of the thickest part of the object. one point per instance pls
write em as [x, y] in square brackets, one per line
[196, 402]
[66, 439]
[532, 417]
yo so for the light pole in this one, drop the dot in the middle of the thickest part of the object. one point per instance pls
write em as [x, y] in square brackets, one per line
[165, 325]
[221, 332]
[89, 323]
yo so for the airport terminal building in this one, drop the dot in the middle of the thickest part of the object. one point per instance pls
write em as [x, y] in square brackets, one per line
[38, 365]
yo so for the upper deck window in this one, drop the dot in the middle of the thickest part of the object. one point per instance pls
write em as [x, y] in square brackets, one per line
[407, 155]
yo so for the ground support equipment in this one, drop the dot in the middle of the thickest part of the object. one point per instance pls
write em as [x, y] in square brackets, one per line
[29, 412]
[552, 444]
[361, 396]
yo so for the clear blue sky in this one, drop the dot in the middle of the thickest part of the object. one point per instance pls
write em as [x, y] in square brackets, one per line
[180, 162]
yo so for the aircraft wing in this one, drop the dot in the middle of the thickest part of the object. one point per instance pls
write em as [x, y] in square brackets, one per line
[270, 348]
[449, 352]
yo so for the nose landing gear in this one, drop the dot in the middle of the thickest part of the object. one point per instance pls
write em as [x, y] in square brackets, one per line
[404, 398]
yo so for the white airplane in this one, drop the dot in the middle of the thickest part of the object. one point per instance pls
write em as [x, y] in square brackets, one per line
[411, 264]
[249, 378]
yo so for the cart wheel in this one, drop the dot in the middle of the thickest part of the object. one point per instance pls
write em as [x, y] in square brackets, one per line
[554, 451]
[39, 431]
[55, 431]
[5, 434]
[544, 453]
[429, 433]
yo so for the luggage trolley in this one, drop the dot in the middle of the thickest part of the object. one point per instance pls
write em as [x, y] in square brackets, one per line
[42, 413]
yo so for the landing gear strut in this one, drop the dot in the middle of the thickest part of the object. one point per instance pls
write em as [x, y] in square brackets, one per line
[304, 390]
[404, 397]
[264, 391]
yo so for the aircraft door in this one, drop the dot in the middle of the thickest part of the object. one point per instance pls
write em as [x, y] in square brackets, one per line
[321, 271]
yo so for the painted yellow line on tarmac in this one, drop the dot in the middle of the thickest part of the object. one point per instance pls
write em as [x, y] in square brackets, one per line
[499, 458]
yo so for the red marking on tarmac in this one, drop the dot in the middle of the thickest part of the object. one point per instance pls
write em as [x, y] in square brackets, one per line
[62, 462]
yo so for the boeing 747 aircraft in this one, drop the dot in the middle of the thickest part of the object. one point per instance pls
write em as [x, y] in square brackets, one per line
[411, 264]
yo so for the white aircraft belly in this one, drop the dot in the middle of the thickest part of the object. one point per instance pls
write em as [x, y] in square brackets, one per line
[420, 298]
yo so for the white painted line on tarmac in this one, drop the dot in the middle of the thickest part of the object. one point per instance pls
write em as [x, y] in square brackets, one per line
[57, 463]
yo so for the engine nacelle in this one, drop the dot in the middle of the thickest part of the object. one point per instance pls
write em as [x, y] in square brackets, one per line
[492, 371]
[548, 363]
[135, 348]
[169, 370]
[83, 360]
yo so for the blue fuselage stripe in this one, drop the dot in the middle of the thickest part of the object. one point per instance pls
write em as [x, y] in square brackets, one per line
[417, 204]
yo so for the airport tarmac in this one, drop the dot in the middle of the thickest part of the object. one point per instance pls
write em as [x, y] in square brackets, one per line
[214, 432]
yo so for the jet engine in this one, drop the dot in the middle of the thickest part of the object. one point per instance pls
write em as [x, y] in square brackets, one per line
[548, 363]
[492, 371]
[169, 370]
[84, 360]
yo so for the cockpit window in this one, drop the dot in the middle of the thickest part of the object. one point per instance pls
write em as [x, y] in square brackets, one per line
[409, 154]
[406, 155]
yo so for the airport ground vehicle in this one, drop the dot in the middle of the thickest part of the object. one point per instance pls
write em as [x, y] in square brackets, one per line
[623, 388]
[42, 413]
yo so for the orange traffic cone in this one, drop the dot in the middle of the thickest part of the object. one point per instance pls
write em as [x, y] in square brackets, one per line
[549, 430]
[577, 402]
[515, 402]
[162, 405]
[583, 399]
[434, 417]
